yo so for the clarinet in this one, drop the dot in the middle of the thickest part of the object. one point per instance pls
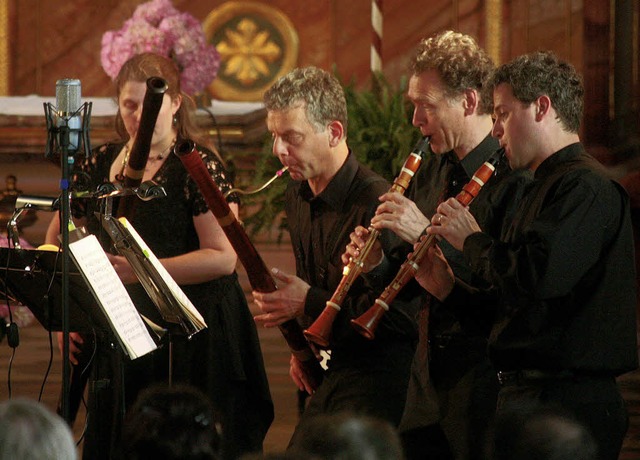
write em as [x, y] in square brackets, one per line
[257, 272]
[367, 323]
[320, 331]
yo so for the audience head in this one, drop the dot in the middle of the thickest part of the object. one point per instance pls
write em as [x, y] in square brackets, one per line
[531, 432]
[174, 422]
[28, 430]
[349, 437]
[448, 71]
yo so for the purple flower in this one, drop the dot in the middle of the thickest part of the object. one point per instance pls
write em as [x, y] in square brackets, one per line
[154, 11]
[157, 27]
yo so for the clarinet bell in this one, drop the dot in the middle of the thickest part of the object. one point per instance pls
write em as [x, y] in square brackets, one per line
[367, 323]
[320, 331]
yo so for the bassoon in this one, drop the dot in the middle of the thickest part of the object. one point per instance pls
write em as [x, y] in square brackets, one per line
[133, 173]
[320, 331]
[367, 323]
[257, 272]
[134, 169]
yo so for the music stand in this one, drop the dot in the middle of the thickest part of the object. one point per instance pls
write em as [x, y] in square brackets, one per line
[34, 278]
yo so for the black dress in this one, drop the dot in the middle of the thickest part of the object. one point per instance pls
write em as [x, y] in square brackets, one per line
[224, 360]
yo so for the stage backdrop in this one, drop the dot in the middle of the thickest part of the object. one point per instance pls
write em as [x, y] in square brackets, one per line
[42, 41]
[46, 40]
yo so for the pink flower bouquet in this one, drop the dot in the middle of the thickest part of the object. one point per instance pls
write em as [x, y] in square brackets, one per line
[156, 26]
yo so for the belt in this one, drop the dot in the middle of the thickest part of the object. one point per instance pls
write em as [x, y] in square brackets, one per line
[531, 375]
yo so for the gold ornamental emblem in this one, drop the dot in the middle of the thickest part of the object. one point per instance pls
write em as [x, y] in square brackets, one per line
[257, 45]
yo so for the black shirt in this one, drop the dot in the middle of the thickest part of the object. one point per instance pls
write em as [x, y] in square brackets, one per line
[320, 227]
[565, 269]
[469, 309]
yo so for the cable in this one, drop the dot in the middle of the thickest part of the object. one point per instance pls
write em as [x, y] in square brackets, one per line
[46, 298]
[13, 337]
[13, 354]
[217, 128]
[86, 369]
[49, 364]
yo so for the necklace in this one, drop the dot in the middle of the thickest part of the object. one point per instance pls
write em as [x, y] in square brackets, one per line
[150, 159]
[162, 154]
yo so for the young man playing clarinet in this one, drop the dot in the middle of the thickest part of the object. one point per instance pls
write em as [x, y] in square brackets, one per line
[565, 266]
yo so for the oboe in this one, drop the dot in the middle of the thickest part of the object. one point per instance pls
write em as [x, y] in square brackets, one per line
[367, 323]
[259, 276]
[320, 331]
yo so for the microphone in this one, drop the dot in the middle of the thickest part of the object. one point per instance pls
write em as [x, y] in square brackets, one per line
[38, 203]
[68, 92]
[68, 120]
[67, 128]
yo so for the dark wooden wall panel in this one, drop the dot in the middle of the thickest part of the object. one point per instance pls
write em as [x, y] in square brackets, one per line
[52, 40]
[597, 72]
[59, 40]
[471, 19]
[515, 30]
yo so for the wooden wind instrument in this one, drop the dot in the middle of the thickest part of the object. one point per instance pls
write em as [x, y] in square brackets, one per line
[367, 323]
[320, 331]
[259, 276]
[134, 169]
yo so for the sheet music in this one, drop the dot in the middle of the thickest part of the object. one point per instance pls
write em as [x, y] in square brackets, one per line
[194, 315]
[112, 296]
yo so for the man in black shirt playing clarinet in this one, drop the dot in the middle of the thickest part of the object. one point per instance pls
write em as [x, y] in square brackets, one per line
[565, 267]
[331, 194]
[452, 384]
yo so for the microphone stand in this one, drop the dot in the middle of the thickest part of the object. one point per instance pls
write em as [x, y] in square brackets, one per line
[65, 205]
[62, 135]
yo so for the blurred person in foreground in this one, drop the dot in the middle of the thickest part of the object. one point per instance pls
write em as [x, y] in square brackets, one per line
[29, 430]
[346, 436]
[540, 432]
[171, 423]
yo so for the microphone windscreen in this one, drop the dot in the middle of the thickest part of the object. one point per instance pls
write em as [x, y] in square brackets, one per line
[67, 96]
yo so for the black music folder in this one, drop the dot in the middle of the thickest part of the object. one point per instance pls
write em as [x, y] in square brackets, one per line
[98, 302]
[33, 277]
